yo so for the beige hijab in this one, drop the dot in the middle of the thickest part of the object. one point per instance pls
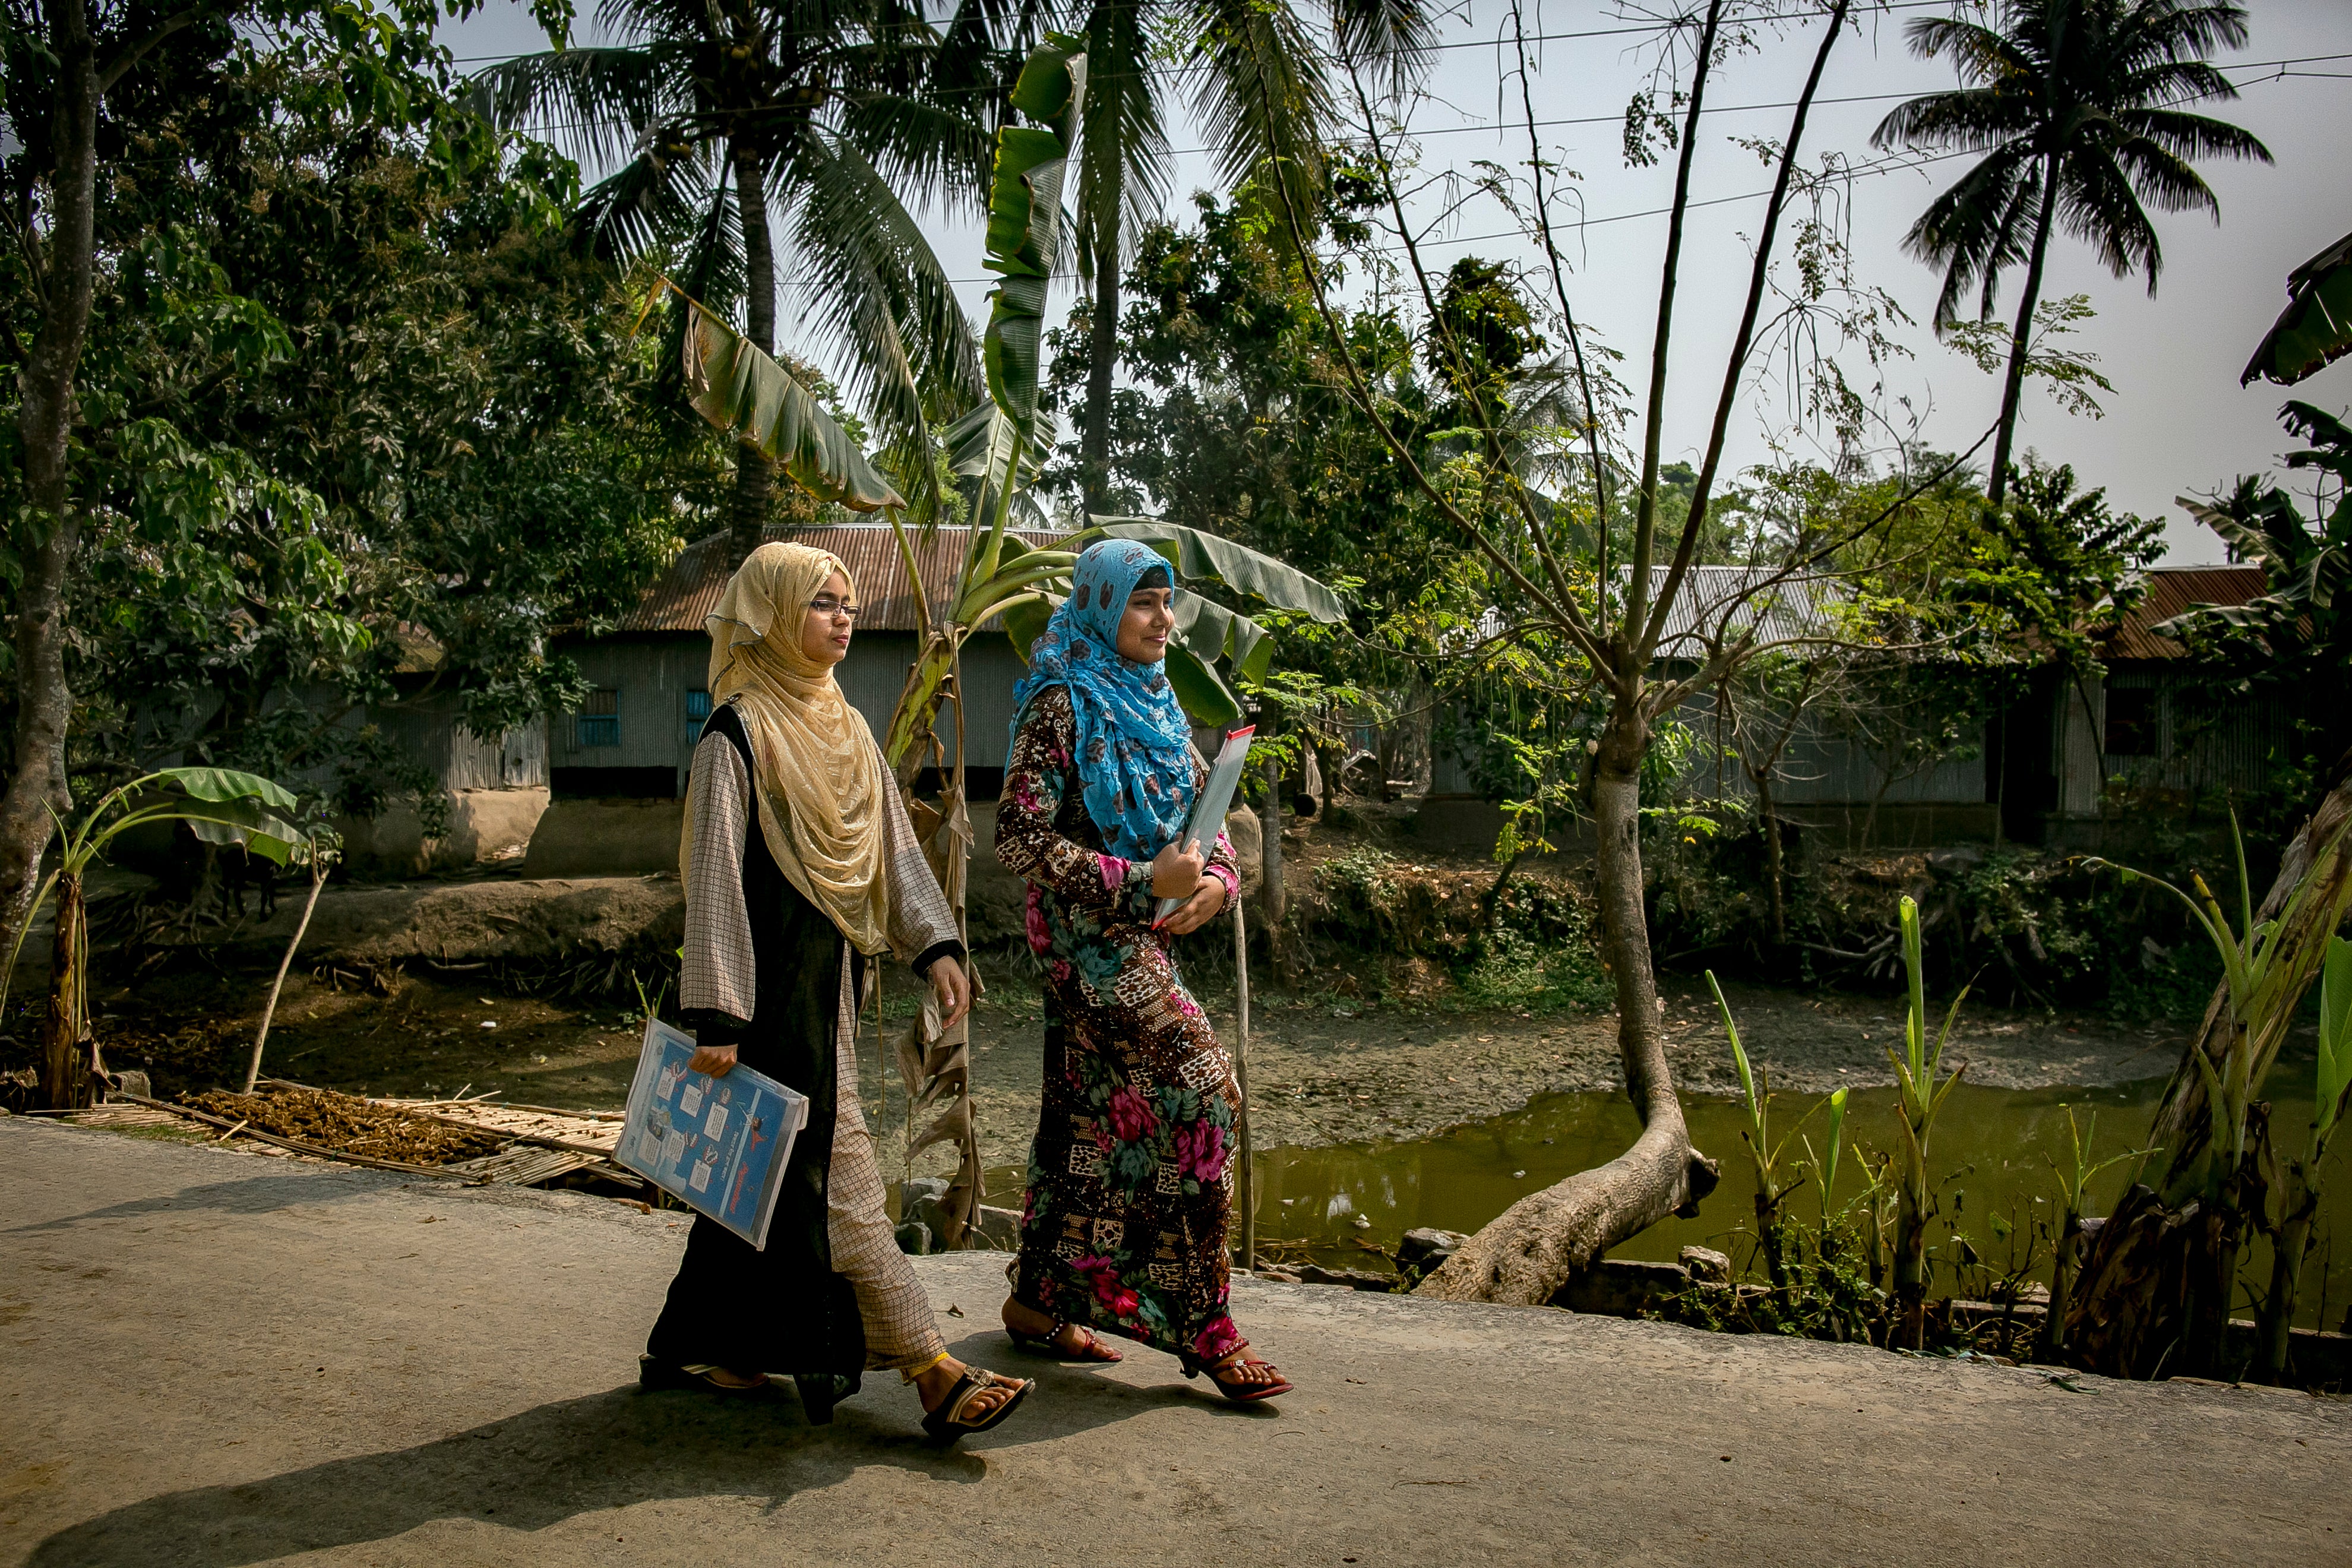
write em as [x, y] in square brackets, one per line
[816, 775]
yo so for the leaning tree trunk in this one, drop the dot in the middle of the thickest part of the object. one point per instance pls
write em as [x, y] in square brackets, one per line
[1546, 1239]
[2157, 1267]
[755, 472]
[44, 416]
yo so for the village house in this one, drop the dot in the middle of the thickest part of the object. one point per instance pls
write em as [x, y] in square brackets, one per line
[617, 767]
[2051, 770]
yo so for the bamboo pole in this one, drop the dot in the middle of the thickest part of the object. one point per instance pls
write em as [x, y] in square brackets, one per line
[1241, 1074]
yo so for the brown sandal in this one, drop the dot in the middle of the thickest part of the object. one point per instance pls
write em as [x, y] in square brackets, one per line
[1091, 1350]
[1239, 1392]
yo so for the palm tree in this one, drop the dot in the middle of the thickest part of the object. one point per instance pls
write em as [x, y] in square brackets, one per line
[826, 115]
[2073, 103]
[1258, 90]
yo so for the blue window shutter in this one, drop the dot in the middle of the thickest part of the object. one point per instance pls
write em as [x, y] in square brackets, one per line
[598, 722]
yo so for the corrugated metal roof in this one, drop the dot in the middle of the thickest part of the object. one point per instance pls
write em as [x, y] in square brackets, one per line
[1711, 594]
[1779, 606]
[2171, 590]
[689, 591]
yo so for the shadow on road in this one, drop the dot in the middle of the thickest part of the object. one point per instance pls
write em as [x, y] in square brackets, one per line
[581, 1456]
[526, 1472]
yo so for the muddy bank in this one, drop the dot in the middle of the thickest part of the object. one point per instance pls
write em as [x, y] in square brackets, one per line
[1323, 1069]
[1330, 1070]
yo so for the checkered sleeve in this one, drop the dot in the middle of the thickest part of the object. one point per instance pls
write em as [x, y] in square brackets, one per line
[922, 926]
[718, 978]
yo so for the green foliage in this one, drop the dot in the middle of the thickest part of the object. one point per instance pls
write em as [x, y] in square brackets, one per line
[1514, 970]
[357, 426]
[2293, 642]
[2073, 375]
[1484, 333]
[2266, 967]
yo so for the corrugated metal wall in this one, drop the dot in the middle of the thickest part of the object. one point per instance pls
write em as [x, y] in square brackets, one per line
[2235, 752]
[652, 676]
[428, 729]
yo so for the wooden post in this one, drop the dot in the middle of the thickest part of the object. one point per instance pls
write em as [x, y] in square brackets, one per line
[1241, 1074]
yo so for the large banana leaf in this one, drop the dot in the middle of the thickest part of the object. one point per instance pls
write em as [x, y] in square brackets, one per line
[243, 822]
[1197, 555]
[1024, 223]
[2315, 328]
[228, 784]
[740, 389]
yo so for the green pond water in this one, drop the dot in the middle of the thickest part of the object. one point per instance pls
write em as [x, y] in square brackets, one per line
[1992, 1148]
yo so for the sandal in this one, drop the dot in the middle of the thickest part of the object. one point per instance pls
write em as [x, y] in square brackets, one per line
[1091, 1349]
[945, 1422]
[1239, 1392]
[653, 1375]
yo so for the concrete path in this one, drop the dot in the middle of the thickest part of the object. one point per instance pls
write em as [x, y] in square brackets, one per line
[209, 1358]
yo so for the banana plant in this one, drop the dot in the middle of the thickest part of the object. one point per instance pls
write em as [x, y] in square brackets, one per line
[2066, 1252]
[2266, 967]
[2265, 975]
[2299, 1182]
[221, 806]
[1920, 1092]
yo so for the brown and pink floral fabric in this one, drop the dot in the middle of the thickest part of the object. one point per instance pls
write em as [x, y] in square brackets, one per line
[1130, 1175]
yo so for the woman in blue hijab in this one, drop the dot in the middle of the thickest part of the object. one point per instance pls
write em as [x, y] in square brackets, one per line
[1130, 1176]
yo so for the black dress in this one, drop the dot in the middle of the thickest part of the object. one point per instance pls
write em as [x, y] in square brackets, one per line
[783, 1309]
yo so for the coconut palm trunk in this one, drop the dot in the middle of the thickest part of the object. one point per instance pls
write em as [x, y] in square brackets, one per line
[1103, 346]
[2021, 337]
[755, 472]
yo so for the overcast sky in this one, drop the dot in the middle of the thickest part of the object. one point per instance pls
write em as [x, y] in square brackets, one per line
[2178, 421]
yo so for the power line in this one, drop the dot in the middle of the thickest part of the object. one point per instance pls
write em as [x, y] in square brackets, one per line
[1432, 48]
[2281, 75]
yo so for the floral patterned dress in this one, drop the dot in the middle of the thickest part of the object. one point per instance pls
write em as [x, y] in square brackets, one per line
[1131, 1179]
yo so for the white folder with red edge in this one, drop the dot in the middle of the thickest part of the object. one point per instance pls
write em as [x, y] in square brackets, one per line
[1216, 799]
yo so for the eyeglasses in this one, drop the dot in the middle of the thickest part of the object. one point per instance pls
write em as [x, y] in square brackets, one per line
[826, 604]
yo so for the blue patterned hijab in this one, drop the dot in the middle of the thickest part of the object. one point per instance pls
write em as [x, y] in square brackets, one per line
[1135, 747]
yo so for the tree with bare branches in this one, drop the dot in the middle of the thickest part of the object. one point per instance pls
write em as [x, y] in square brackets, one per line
[1606, 596]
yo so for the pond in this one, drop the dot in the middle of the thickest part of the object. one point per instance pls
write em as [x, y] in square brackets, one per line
[1993, 1148]
[1990, 1147]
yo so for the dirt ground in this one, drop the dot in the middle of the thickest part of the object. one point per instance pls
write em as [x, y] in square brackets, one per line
[1323, 1067]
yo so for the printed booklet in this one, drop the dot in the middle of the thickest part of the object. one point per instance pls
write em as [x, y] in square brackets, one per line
[717, 1144]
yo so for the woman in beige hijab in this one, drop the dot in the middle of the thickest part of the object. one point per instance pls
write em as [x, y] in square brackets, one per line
[800, 869]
